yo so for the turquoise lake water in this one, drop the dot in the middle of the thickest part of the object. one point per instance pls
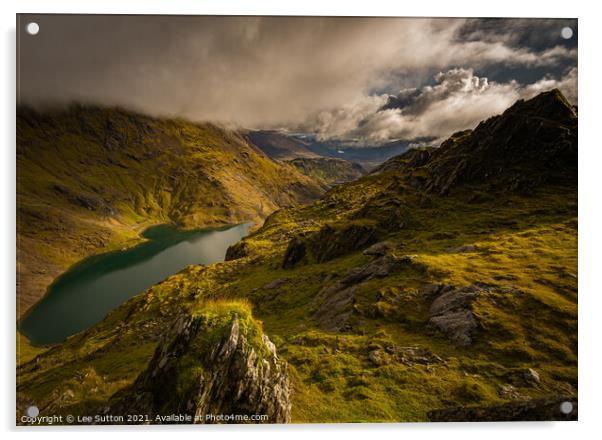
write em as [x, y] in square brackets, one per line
[85, 294]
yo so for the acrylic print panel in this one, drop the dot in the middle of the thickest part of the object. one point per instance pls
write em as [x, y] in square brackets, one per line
[296, 219]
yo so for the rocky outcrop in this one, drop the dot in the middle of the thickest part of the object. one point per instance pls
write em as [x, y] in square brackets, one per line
[561, 408]
[238, 250]
[335, 307]
[294, 254]
[531, 143]
[451, 314]
[409, 356]
[330, 242]
[207, 368]
[378, 249]
[335, 302]
[531, 377]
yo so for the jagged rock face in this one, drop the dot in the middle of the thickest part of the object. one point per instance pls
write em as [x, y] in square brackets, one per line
[335, 302]
[328, 243]
[531, 143]
[237, 250]
[190, 373]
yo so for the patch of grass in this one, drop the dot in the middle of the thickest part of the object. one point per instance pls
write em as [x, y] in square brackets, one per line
[25, 351]
[525, 250]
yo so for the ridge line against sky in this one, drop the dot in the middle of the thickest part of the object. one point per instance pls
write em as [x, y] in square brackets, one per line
[364, 81]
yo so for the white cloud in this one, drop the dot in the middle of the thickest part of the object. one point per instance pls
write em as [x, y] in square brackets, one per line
[566, 84]
[459, 100]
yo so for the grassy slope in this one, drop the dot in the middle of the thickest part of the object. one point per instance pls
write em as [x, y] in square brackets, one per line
[90, 179]
[526, 251]
[528, 243]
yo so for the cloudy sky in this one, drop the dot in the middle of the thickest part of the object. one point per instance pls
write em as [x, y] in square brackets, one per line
[362, 80]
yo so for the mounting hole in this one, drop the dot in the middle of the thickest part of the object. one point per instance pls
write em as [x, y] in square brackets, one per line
[566, 407]
[32, 411]
[32, 28]
[566, 33]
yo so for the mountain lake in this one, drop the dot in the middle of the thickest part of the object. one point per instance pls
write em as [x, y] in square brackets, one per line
[83, 295]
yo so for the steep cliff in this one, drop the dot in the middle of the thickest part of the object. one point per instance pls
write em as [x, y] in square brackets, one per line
[211, 366]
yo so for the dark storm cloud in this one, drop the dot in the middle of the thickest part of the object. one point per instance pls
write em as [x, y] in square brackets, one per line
[329, 76]
[536, 34]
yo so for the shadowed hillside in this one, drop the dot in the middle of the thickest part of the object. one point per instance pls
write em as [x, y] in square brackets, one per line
[90, 179]
[279, 146]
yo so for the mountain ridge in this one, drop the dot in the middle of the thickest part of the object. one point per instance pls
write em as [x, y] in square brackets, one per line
[390, 297]
[536, 136]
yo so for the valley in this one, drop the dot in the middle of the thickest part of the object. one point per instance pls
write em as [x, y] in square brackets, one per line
[445, 277]
[91, 180]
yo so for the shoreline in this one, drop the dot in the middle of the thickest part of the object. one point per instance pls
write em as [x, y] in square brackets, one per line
[117, 247]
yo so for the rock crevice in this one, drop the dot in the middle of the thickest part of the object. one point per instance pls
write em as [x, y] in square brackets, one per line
[200, 372]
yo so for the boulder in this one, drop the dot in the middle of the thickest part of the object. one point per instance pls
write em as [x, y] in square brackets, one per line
[379, 357]
[451, 314]
[457, 326]
[531, 376]
[378, 249]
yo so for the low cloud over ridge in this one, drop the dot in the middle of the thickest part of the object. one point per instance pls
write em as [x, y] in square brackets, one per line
[458, 100]
[325, 75]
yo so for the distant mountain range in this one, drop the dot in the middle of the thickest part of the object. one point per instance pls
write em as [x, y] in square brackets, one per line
[282, 146]
[330, 171]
